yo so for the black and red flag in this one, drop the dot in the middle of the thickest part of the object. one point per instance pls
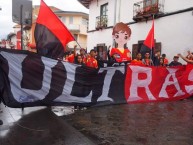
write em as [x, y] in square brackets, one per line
[149, 43]
[51, 35]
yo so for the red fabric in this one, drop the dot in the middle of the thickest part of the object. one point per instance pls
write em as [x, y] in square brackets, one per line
[149, 41]
[136, 62]
[125, 56]
[91, 62]
[148, 62]
[71, 58]
[47, 18]
[18, 36]
[153, 84]
[166, 61]
[32, 45]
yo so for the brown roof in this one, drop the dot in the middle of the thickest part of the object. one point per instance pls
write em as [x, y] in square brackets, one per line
[85, 2]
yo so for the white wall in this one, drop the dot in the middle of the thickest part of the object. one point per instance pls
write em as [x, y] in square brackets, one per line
[175, 32]
[174, 5]
[102, 36]
[95, 11]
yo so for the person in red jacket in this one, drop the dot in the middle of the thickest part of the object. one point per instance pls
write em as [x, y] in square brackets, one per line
[91, 61]
[138, 60]
[121, 34]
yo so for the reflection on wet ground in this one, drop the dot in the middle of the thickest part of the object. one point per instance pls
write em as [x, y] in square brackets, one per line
[38, 126]
[167, 123]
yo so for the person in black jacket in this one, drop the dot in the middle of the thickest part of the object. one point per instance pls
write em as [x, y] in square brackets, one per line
[175, 61]
[1, 88]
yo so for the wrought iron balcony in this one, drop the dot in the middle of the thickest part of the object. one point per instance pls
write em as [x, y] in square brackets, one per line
[101, 22]
[144, 10]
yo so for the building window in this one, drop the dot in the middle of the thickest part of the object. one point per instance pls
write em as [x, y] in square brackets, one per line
[137, 48]
[63, 19]
[148, 4]
[70, 20]
[104, 9]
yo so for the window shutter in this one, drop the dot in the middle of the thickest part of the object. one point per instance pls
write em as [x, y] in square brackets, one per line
[135, 50]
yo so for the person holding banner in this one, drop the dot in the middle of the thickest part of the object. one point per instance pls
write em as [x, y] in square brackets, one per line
[147, 61]
[121, 34]
[90, 60]
[137, 61]
[175, 61]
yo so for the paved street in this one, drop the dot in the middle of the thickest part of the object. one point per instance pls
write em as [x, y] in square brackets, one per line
[38, 126]
[168, 123]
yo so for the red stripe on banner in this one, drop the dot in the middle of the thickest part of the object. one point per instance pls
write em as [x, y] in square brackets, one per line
[47, 18]
[151, 84]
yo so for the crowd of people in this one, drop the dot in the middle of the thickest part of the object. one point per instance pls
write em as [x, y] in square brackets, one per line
[119, 55]
[97, 59]
[155, 60]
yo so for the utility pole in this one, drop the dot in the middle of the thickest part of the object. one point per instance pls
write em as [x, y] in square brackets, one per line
[21, 23]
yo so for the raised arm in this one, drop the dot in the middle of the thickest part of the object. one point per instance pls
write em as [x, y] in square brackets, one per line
[185, 59]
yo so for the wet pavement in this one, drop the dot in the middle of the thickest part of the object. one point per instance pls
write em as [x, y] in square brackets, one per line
[167, 123]
[38, 126]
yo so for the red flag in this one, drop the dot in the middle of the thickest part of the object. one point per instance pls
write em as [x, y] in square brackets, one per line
[51, 34]
[149, 41]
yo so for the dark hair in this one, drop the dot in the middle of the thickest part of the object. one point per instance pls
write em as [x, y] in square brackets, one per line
[79, 55]
[176, 56]
[92, 50]
[163, 55]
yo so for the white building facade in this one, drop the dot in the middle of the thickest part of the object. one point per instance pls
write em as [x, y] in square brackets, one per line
[173, 23]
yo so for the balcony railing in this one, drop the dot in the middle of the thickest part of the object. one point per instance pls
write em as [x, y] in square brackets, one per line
[145, 9]
[101, 22]
[74, 27]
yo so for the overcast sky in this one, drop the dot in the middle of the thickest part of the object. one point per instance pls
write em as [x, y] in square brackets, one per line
[6, 24]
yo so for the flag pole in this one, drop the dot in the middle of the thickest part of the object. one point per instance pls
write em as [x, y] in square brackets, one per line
[152, 41]
[78, 44]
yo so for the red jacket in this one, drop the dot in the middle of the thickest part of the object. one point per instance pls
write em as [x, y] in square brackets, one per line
[137, 62]
[119, 56]
[91, 62]
[71, 58]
